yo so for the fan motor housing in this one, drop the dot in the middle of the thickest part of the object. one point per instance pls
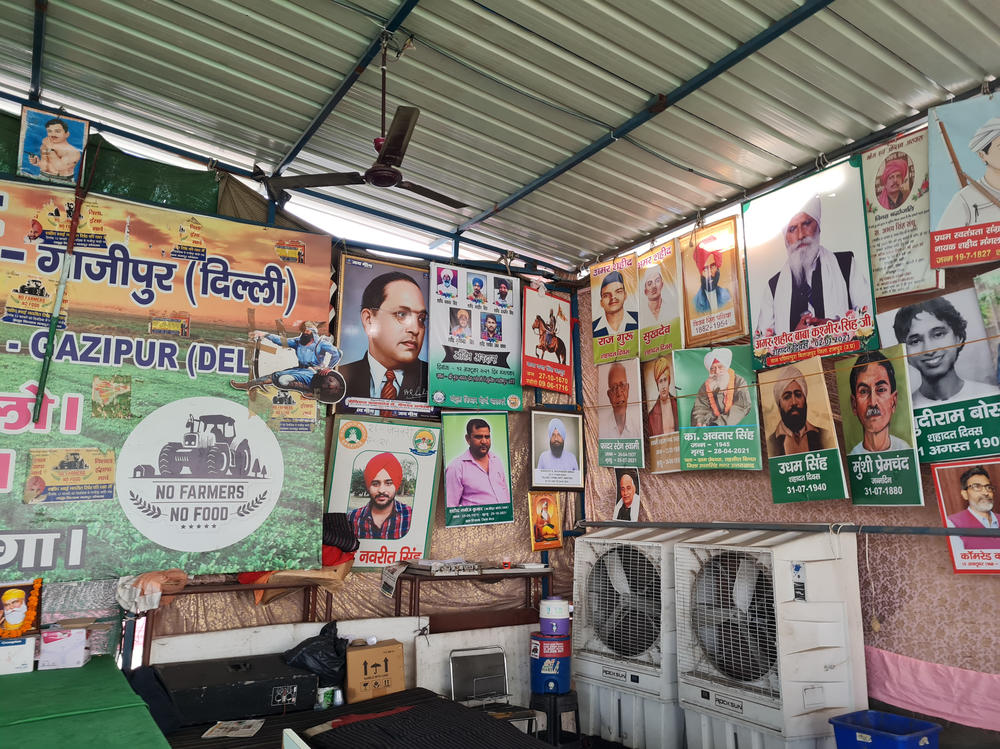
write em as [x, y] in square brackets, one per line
[381, 175]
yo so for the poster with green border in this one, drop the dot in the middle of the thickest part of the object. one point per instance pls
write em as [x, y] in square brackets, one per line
[615, 309]
[477, 468]
[474, 357]
[384, 476]
[882, 464]
[660, 329]
[619, 415]
[803, 456]
[952, 371]
[717, 409]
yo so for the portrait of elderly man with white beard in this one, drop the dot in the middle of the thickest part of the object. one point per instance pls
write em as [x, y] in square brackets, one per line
[815, 285]
[724, 398]
[14, 610]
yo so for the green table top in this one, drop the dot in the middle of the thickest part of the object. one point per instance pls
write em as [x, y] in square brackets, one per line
[124, 728]
[91, 706]
[97, 686]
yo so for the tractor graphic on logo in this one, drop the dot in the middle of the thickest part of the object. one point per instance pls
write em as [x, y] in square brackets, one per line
[283, 398]
[209, 447]
[32, 287]
[72, 462]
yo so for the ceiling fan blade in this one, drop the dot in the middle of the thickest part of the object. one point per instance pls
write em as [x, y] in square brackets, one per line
[326, 179]
[427, 193]
[398, 137]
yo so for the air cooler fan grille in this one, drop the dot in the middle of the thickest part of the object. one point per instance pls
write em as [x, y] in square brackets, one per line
[733, 619]
[623, 601]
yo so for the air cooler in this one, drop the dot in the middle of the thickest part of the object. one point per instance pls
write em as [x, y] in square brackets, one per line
[624, 648]
[769, 640]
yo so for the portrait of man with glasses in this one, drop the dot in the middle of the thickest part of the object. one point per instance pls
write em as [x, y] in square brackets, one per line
[978, 493]
[620, 415]
[393, 313]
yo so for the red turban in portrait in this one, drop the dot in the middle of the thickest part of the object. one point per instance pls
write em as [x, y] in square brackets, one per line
[390, 463]
[894, 166]
[703, 256]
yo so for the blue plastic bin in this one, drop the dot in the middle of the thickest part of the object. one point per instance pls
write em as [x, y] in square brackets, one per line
[873, 729]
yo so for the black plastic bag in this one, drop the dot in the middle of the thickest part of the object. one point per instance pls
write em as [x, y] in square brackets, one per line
[325, 655]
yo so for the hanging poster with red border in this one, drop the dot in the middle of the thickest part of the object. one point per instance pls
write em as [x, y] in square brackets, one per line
[966, 495]
[547, 361]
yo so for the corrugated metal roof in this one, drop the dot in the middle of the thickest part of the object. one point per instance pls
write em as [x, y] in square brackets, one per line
[508, 91]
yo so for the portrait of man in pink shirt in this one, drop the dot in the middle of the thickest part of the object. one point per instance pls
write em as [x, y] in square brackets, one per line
[477, 476]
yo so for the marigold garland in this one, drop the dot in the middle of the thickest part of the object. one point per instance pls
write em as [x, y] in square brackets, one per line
[29, 617]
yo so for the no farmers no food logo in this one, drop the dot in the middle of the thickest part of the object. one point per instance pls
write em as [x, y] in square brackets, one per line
[199, 474]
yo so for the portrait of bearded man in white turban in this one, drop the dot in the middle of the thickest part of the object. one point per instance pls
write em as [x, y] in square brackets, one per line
[815, 285]
[724, 398]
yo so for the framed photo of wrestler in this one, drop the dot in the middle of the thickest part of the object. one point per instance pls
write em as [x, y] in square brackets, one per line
[52, 147]
[384, 475]
[966, 499]
[477, 468]
[546, 521]
[712, 276]
[382, 311]
[556, 450]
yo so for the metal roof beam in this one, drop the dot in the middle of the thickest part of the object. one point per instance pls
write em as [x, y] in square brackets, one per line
[37, 47]
[659, 103]
[239, 171]
[359, 67]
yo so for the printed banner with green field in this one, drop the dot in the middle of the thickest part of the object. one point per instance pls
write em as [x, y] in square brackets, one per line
[179, 425]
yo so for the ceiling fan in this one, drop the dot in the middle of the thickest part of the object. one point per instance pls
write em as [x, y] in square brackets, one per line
[384, 172]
